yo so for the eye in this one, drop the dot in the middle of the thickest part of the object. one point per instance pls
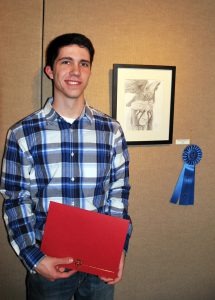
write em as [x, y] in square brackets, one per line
[65, 62]
[85, 64]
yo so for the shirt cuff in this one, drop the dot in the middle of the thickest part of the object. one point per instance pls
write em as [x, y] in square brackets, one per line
[31, 256]
[126, 244]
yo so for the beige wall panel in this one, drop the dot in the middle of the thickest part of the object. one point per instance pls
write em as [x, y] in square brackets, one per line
[171, 254]
[20, 64]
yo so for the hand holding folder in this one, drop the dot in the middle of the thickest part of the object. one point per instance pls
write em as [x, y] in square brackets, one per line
[94, 241]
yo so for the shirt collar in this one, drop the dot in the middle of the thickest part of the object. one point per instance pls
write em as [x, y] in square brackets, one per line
[51, 115]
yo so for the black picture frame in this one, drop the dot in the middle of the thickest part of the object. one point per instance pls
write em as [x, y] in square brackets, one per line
[143, 102]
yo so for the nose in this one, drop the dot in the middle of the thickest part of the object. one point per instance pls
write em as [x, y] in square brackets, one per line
[75, 69]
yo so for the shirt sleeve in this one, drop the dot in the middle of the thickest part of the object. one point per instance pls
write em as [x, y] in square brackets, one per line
[18, 207]
[119, 179]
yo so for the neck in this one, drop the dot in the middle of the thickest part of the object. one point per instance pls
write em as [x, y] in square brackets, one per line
[70, 109]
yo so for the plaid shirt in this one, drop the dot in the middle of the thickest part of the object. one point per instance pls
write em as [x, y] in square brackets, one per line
[84, 164]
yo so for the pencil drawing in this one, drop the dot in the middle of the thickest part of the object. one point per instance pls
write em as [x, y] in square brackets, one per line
[140, 100]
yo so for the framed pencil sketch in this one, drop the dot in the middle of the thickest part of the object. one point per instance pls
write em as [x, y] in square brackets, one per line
[143, 102]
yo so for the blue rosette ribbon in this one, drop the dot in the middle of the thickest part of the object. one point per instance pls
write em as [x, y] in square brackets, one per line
[184, 189]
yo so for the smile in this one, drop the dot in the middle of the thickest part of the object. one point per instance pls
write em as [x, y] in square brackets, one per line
[71, 82]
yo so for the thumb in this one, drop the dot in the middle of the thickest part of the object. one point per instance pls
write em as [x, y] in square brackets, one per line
[63, 261]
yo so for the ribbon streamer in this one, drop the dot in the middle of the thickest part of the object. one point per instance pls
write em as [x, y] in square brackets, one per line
[184, 189]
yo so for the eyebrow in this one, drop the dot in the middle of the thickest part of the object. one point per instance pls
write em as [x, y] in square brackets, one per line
[70, 58]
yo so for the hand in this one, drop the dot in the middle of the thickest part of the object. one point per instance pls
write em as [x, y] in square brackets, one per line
[50, 269]
[119, 276]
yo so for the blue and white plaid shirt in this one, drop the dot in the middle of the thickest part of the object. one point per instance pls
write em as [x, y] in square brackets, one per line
[84, 164]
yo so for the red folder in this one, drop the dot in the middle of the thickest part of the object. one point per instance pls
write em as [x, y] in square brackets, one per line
[94, 241]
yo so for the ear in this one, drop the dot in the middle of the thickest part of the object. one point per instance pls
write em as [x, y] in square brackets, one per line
[49, 72]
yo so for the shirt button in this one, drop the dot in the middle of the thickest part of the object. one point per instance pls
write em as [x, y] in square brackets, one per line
[72, 154]
[72, 179]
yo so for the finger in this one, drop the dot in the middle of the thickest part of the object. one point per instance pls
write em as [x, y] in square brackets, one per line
[114, 281]
[63, 261]
[60, 269]
[106, 279]
[66, 270]
[66, 274]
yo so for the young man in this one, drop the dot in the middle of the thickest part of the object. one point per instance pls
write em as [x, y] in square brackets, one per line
[70, 153]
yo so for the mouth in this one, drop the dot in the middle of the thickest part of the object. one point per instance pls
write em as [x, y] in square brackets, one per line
[72, 82]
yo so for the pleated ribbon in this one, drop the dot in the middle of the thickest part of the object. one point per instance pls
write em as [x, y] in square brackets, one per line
[185, 186]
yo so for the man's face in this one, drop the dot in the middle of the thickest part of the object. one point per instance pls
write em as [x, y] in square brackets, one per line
[71, 72]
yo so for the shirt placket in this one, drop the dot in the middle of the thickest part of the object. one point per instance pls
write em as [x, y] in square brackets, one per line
[74, 165]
